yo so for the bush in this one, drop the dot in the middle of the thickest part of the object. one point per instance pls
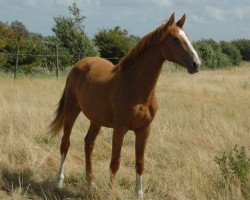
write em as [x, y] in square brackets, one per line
[3, 61]
[221, 60]
[65, 57]
[211, 54]
[206, 53]
[114, 43]
[73, 39]
[72, 36]
[244, 46]
[231, 51]
[234, 166]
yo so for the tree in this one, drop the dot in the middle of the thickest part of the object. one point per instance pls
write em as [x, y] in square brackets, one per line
[19, 28]
[211, 54]
[244, 46]
[71, 34]
[51, 46]
[114, 43]
[135, 38]
[231, 51]
[78, 18]
[206, 53]
[5, 34]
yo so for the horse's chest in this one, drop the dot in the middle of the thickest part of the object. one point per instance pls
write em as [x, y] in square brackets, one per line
[140, 116]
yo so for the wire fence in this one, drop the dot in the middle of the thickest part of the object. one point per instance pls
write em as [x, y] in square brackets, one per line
[50, 62]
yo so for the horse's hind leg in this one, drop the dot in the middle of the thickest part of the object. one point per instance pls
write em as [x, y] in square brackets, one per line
[89, 146]
[71, 112]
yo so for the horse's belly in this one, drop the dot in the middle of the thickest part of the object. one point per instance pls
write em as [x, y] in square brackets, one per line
[97, 108]
[99, 118]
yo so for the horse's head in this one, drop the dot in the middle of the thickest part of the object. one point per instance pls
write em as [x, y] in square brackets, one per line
[176, 47]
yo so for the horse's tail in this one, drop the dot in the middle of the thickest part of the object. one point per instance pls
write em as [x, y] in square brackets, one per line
[57, 124]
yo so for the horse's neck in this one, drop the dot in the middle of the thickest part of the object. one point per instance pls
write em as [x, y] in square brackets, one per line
[144, 73]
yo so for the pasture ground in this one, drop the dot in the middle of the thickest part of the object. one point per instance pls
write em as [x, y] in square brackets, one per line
[199, 117]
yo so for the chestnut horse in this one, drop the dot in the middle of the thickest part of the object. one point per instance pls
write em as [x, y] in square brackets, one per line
[121, 96]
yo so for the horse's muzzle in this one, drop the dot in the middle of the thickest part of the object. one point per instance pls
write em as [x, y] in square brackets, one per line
[194, 68]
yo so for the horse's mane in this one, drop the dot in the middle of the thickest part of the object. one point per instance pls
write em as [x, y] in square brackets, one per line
[151, 39]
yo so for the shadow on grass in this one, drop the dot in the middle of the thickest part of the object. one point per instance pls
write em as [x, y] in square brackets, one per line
[24, 182]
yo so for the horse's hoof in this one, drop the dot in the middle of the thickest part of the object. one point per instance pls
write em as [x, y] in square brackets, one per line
[60, 185]
[92, 187]
[139, 194]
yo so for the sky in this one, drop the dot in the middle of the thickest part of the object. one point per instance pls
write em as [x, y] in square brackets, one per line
[217, 19]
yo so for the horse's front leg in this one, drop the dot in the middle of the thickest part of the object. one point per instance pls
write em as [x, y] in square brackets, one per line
[89, 146]
[118, 135]
[140, 144]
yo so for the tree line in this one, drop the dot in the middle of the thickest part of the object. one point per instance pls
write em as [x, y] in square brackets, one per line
[224, 53]
[36, 53]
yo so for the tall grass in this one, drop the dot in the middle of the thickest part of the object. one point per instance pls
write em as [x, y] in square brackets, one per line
[200, 117]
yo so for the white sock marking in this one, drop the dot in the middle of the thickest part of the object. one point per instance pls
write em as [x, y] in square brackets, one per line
[138, 186]
[61, 172]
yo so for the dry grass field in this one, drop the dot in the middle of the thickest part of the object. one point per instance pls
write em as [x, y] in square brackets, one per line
[199, 117]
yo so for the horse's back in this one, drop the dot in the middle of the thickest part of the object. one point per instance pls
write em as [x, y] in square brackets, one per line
[96, 69]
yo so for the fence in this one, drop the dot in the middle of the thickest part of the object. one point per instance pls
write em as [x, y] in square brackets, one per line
[50, 61]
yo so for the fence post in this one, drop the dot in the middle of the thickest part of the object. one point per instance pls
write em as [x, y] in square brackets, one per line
[17, 60]
[57, 61]
[80, 55]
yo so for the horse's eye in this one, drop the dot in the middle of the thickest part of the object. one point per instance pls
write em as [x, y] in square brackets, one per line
[175, 39]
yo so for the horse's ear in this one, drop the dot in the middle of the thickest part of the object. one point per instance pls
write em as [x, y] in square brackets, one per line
[170, 21]
[181, 22]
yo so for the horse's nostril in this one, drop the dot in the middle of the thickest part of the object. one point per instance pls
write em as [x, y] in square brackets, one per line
[194, 68]
[195, 65]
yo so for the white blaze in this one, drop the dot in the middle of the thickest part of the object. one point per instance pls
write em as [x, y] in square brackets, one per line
[191, 48]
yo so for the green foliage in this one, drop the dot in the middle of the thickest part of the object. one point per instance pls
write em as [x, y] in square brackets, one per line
[50, 46]
[244, 46]
[206, 53]
[3, 61]
[70, 32]
[134, 38]
[221, 60]
[38, 53]
[30, 45]
[7, 37]
[231, 51]
[114, 43]
[19, 28]
[11, 37]
[234, 166]
[211, 54]
[78, 18]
